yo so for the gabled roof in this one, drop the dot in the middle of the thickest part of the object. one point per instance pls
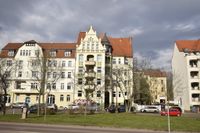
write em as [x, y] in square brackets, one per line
[188, 45]
[121, 46]
[60, 48]
[80, 35]
[13, 46]
[155, 73]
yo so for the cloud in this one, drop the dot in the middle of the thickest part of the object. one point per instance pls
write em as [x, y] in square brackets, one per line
[155, 25]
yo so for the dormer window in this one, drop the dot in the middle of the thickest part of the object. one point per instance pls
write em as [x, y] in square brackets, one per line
[11, 53]
[53, 53]
[68, 53]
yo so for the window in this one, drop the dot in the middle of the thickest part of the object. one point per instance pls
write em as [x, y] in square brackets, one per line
[37, 53]
[69, 63]
[68, 98]
[98, 93]
[119, 94]
[54, 63]
[67, 53]
[162, 89]
[9, 62]
[18, 85]
[48, 74]
[34, 85]
[63, 75]
[69, 86]
[80, 69]
[81, 57]
[62, 86]
[119, 61]
[69, 74]
[54, 74]
[61, 98]
[20, 64]
[125, 93]
[7, 73]
[80, 81]
[21, 52]
[98, 81]
[11, 53]
[99, 69]
[17, 97]
[48, 86]
[114, 61]
[63, 63]
[92, 46]
[26, 52]
[20, 74]
[99, 58]
[54, 86]
[52, 53]
[35, 74]
[79, 93]
[37, 98]
[114, 93]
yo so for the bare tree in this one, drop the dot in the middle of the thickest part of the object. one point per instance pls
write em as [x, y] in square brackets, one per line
[7, 67]
[41, 66]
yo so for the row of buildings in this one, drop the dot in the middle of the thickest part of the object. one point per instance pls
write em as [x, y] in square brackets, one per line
[95, 66]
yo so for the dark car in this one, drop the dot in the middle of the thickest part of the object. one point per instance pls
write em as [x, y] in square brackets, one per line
[112, 108]
[121, 108]
[50, 108]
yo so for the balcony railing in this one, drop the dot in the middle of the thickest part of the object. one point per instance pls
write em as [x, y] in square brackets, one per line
[90, 74]
[90, 63]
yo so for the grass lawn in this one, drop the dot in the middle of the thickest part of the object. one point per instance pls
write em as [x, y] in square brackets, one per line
[121, 120]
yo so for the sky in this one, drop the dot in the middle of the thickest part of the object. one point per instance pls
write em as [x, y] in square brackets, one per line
[154, 24]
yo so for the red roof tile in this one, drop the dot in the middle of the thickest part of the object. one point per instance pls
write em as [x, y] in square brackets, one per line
[190, 45]
[155, 73]
[121, 46]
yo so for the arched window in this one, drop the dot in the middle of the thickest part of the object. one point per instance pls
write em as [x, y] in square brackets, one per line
[51, 99]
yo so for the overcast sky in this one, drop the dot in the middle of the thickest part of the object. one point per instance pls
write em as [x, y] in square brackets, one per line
[153, 24]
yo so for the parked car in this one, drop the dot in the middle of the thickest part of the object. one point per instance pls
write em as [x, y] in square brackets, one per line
[92, 107]
[176, 107]
[72, 107]
[51, 108]
[150, 109]
[121, 108]
[112, 108]
[172, 112]
[19, 105]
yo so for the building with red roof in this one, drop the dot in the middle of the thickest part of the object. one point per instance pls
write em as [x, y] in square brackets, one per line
[69, 70]
[186, 77]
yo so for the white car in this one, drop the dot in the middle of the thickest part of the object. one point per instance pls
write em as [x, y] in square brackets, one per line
[150, 109]
[72, 107]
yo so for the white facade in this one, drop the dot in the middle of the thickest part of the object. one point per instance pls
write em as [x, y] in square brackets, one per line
[67, 66]
[186, 77]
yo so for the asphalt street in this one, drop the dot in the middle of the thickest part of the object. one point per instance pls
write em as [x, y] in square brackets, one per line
[6, 127]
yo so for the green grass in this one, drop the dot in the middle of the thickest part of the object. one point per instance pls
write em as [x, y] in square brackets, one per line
[122, 120]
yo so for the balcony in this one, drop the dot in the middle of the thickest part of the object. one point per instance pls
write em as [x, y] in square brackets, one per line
[193, 63]
[194, 74]
[90, 74]
[91, 63]
[196, 98]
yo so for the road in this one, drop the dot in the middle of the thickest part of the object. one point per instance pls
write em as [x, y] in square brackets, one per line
[6, 127]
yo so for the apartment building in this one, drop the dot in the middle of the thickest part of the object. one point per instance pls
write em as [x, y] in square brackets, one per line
[66, 72]
[157, 81]
[186, 77]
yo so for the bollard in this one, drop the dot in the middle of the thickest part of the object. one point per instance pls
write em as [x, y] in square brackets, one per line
[24, 113]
